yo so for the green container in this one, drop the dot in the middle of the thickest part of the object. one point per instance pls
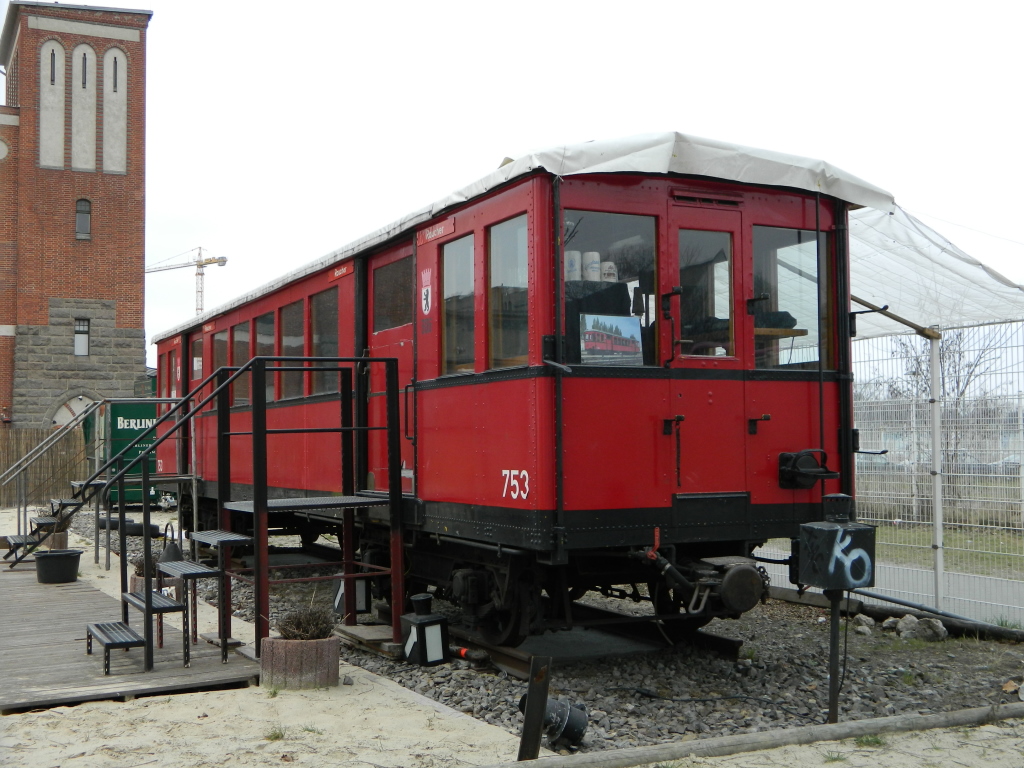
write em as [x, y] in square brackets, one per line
[127, 422]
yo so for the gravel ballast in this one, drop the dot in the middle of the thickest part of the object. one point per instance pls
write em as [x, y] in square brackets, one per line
[682, 693]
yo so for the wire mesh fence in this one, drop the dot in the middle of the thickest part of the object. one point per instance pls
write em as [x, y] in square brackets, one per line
[981, 448]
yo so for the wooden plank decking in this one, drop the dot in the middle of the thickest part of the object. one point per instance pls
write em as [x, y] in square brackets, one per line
[42, 649]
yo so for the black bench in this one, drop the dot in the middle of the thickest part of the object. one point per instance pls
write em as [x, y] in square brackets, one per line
[113, 634]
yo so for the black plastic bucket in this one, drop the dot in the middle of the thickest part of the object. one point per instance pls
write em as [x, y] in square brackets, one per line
[57, 566]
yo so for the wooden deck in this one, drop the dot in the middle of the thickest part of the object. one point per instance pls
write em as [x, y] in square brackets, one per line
[43, 658]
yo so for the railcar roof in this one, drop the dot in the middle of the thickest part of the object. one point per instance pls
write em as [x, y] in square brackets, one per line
[658, 153]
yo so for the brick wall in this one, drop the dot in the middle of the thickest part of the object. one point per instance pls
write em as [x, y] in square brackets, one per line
[55, 270]
[47, 372]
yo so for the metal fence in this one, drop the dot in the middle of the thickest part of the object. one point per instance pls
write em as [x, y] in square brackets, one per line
[979, 569]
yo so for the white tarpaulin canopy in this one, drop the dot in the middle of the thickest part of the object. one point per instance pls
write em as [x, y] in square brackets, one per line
[896, 260]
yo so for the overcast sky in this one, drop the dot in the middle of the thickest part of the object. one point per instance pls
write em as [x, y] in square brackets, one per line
[277, 132]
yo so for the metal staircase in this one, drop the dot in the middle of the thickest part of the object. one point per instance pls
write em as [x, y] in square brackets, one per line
[154, 604]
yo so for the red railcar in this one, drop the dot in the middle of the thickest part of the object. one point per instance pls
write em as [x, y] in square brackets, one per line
[609, 343]
[536, 469]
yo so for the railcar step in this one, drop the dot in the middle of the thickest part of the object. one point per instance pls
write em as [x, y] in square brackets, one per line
[186, 569]
[112, 634]
[59, 504]
[220, 538]
[16, 541]
[76, 484]
[38, 522]
[310, 504]
[161, 603]
[115, 635]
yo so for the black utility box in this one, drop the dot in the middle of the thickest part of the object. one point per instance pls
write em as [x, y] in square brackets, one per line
[837, 555]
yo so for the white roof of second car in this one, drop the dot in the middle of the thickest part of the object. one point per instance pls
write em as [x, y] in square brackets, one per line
[658, 153]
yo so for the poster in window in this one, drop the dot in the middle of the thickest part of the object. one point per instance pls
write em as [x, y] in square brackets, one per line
[610, 340]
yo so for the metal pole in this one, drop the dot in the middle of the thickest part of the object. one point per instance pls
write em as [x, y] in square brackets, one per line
[395, 498]
[261, 572]
[536, 708]
[223, 402]
[835, 597]
[1020, 454]
[123, 553]
[147, 562]
[195, 490]
[936, 403]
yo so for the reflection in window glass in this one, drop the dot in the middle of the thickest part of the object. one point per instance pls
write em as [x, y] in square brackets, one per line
[265, 346]
[792, 321]
[172, 364]
[459, 309]
[705, 303]
[507, 309]
[197, 358]
[393, 295]
[610, 305]
[240, 356]
[323, 329]
[293, 344]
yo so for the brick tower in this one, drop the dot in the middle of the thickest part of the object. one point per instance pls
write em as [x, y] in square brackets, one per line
[72, 209]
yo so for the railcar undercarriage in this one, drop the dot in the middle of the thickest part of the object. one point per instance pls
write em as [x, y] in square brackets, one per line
[508, 594]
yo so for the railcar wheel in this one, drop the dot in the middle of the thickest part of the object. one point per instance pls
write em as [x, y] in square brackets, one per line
[502, 627]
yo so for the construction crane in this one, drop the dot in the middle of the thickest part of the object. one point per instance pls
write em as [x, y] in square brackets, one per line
[199, 262]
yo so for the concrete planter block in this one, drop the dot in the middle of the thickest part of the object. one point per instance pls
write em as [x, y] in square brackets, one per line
[299, 663]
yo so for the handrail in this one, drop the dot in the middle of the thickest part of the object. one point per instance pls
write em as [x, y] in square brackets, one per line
[238, 371]
[37, 453]
[114, 459]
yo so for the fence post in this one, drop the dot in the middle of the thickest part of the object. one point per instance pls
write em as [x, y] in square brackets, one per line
[936, 402]
[1020, 455]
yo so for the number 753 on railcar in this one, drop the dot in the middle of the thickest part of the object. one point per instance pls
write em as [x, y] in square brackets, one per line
[619, 373]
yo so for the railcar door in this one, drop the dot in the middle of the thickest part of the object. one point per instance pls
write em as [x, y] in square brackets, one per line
[391, 313]
[792, 330]
[703, 346]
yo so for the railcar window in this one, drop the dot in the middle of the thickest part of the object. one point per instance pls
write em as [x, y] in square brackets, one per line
[508, 307]
[265, 346]
[392, 294]
[459, 306]
[240, 356]
[792, 325]
[220, 354]
[197, 359]
[172, 373]
[293, 344]
[705, 260]
[610, 303]
[323, 330]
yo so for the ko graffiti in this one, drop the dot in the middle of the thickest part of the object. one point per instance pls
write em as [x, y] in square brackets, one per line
[854, 566]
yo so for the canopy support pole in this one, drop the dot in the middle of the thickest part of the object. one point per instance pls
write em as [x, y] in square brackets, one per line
[936, 403]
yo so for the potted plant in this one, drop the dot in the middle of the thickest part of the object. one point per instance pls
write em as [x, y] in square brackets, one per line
[306, 654]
